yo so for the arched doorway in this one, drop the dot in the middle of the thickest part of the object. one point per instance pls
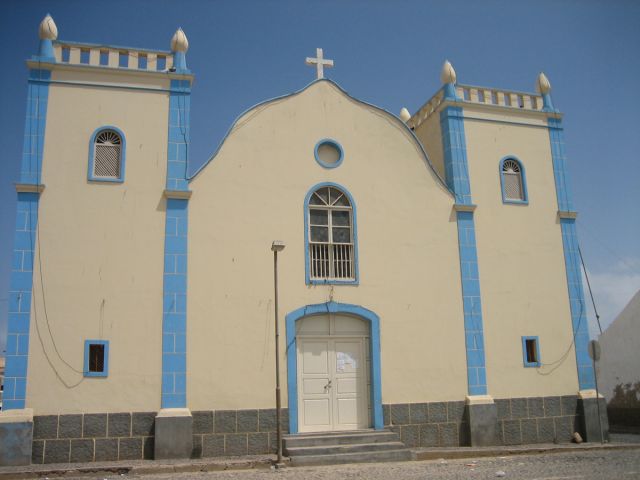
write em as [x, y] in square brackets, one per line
[333, 368]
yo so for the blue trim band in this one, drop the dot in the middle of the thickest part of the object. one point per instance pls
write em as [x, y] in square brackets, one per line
[560, 171]
[20, 293]
[449, 92]
[35, 122]
[547, 104]
[21, 280]
[333, 143]
[354, 220]
[577, 305]
[455, 154]
[457, 176]
[174, 306]
[472, 305]
[180, 62]
[105, 369]
[523, 178]
[45, 54]
[292, 368]
[525, 361]
[179, 135]
[92, 149]
[586, 378]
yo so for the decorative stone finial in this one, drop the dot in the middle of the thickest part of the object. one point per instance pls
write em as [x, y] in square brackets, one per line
[179, 42]
[544, 87]
[48, 29]
[404, 115]
[448, 74]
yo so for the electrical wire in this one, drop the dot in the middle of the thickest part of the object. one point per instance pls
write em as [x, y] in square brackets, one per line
[584, 269]
[36, 240]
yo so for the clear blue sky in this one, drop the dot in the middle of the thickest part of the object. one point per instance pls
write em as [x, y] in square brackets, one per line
[388, 53]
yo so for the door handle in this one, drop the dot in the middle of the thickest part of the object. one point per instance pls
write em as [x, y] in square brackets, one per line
[328, 385]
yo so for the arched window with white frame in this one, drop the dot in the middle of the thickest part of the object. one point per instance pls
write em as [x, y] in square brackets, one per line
[512, 179]
[330, 234]
[106, 155]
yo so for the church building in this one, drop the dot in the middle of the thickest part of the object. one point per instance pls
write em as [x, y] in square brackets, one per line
[428, 278]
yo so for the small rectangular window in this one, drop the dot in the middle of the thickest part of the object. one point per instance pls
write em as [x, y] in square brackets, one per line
[161, 63]
[531, 351]
[142, 61]
[65, 54]
[96, 358]
[84, 56]
[104, 57]
[123, 59]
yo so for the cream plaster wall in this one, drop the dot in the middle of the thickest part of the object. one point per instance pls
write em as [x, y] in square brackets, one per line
[101, 249]
[253, 193]
[522, 274]
[430, 135]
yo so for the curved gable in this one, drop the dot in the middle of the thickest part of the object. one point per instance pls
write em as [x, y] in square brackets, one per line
[327, 92]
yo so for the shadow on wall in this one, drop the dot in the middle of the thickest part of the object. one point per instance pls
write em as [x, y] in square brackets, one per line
[624, 407]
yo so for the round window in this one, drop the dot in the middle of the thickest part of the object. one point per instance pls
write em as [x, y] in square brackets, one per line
[328, 153]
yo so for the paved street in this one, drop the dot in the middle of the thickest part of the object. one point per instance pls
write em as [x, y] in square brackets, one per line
[619, 465]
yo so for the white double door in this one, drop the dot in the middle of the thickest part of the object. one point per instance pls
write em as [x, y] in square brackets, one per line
[332, 376]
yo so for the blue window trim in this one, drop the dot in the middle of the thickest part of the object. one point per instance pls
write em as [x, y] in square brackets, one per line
[105, 372]
[524, 352]
[333, 143]
[123, 152]
[523, 177]
[354, 225]
[292, 367]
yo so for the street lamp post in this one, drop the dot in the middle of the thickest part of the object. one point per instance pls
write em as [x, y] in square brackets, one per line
[277, 246]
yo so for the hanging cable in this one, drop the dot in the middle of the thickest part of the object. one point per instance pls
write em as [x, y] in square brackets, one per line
[36, 242]
[584, 269]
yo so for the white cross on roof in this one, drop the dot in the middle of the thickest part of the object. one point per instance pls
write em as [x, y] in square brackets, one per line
[319, 62]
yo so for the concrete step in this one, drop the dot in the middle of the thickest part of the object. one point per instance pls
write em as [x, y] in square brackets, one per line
[358, 457]
[342, 438]
[344, 448]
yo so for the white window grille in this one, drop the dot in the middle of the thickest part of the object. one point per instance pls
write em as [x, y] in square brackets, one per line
[512, 180]
[331, 246]
[107, 160]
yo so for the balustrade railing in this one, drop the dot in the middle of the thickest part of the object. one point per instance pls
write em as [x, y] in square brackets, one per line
[482, 95]
[112, 57]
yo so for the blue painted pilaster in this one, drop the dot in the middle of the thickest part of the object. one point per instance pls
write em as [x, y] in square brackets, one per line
[35, 121]
[21, 281]
[586, 379]
[174, 316]
[20, 290]
[457, 178]
[179, 134]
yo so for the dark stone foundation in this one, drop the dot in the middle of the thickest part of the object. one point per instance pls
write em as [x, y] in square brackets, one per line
[131, 436]
[518, 421]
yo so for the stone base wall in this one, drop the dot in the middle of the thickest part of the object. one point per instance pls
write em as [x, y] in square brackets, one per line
[538, 419]
[93, 437]
[520, 421]
[130, 436]
[97, 437]
[435, 424]
[236, 432]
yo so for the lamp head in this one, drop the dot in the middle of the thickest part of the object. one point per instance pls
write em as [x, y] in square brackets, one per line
[277, 246]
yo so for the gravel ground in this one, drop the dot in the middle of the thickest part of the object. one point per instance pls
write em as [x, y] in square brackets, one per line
[618, 464]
